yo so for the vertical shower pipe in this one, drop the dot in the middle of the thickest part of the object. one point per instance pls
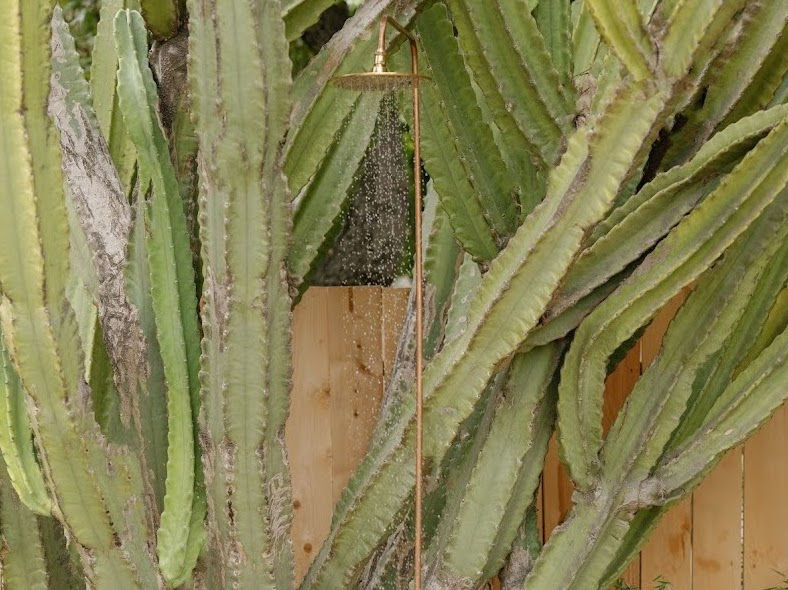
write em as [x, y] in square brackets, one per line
[380, 67]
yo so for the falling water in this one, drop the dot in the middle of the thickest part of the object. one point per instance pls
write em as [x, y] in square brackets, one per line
[374, 240]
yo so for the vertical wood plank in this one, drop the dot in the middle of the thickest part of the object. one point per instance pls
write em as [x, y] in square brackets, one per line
[557, 489]
[539, 503]
[716, 527]
[308, 430]
[356, 377]
[618, 386]
[765, 508]
[668, 553]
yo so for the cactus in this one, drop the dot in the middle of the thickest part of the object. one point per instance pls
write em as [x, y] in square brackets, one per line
[587, 161]
[242, 107]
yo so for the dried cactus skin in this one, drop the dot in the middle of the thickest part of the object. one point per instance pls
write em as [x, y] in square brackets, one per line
[39, 327]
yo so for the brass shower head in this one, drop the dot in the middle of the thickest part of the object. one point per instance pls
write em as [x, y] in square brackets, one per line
[377, 81]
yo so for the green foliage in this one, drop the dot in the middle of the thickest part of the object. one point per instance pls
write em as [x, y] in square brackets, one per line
[587, 161]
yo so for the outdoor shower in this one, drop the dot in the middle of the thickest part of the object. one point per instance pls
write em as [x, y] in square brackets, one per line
[381, 80]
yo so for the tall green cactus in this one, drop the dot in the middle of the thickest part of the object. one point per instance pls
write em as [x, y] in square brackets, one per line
[241, 100]
[587, 160]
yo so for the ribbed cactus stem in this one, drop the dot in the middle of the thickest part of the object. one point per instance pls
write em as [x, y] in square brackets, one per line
[241, 96]
[39, 327]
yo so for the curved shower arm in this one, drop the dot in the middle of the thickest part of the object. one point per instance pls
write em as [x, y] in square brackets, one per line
[380, 52]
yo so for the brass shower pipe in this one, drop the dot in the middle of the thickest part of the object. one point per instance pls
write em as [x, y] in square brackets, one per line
[380, 79]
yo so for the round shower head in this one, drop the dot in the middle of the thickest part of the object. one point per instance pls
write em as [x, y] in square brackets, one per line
[377, 81]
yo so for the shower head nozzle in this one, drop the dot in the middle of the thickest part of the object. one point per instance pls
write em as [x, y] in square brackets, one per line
[377, 81]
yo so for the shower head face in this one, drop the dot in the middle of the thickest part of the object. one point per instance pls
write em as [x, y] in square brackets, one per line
[377, 81]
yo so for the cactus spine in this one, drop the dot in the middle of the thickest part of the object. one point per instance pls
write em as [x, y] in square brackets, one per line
[242, 101]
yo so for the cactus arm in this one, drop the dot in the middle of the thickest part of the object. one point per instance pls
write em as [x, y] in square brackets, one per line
[647, 216]
[733, 73]
[441, 265]
[21, 553]
[689, 29]
[174, 301]
[643, 427]
[16, 441]
[162, 17]
[62, 560]
[622, 27]
[472, 530]
[96, 194]
[204, 84]
[468, 279]
[104, 66]
[585, 40]
[768, 84]
[522, 498]
[536, 55]
[517, 86]
[278, 103]
[737, 201]
[723, 367]
[299, 15]
[457, 469]
[153, 401]
[516, 150]
[38, 326]
[719, 303]
[495, 190]
[743, 407]
[500, 317]
[555, 23]
[458, 198]
[555, 326]
[775, 323]
[714, 156]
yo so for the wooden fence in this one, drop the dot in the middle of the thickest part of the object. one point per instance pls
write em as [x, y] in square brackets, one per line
[730, 534]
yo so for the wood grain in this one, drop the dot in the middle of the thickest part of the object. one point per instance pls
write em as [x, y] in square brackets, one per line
[341, 336]
[765, 506]
[716, 527]
[308, 431]
[356, 369]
